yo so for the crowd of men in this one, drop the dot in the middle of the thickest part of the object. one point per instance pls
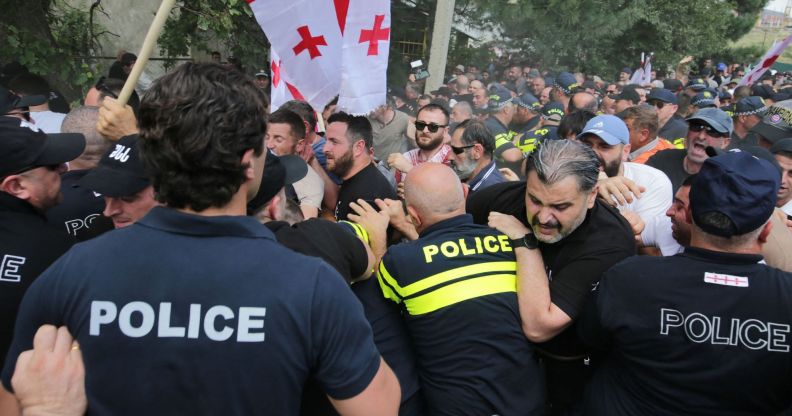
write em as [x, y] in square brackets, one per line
[515, 242]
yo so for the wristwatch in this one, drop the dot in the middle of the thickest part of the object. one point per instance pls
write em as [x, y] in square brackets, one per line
[528, 241]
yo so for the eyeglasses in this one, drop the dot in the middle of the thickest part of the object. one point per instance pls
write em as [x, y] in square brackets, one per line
[698, 127]
[460, 150]
[657, 104]
[433, 127]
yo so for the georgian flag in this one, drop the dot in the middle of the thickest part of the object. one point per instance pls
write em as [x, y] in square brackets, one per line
[643, 75]
[766, 62]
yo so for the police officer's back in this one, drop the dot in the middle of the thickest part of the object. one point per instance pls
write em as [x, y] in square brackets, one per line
[705, 332]
[457, 285]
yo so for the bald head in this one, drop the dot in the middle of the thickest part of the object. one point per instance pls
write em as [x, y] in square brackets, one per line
[583, 101]
[434, 191]
[83, 120]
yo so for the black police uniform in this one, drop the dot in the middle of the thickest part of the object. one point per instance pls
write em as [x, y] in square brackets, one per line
[186, 314]
[574, 266]
[80, 211]
[699, 333]
[503, 139]
[457, 286]
[28, 245]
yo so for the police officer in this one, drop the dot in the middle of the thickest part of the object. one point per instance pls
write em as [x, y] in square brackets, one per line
[30, 166]
[456, 284]
[204, 311]
[703, 332]
[501, 108]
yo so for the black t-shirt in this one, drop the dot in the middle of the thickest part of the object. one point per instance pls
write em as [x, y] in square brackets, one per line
[671, 162]
[574, 264]
[737, 142]
[80, 211]
[187, 314]
[28, 245]
[367, 184]
[457, 287]
[702, 332]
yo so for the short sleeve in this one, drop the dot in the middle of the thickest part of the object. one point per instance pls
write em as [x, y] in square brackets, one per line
[345, 357]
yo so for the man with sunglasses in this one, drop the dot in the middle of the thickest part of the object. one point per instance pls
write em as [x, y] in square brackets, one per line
[665, 102]
[30, 166]
[431, 127]
[472, 145]
[708, 127]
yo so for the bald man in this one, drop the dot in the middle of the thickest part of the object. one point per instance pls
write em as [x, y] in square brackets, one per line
[458, 285]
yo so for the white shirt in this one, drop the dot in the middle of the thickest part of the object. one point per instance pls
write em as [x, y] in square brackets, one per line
[787, 208]
[310, 189]
[48, 121]
[657, 233]
[657, 197]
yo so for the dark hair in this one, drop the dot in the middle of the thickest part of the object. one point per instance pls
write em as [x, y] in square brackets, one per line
[29, 84]
[196, 123]
[476, 132]
[574, 122]
[358, 127]
[304, 110]
[284, 116]
[334, 101]
[111, 87]
[128, 59]
[689, 180]
[435, 107]
[715, 220]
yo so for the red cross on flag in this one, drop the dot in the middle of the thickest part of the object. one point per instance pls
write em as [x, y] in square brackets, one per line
[318, 57]
[365, 56]
[306, 47]
[767, 61]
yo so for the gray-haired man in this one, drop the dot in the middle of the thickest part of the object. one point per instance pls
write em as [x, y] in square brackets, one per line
[564, 239]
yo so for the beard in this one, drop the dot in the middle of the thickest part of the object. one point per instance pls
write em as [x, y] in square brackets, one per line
[562, 232]
[341, 165]
[432, 144]
[611, 169]
[464, 170]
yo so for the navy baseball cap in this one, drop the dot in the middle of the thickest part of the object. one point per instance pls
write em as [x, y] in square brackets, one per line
[120, 171]
[566, 82]
[499, 97]
[716, 118]
[528, 101]
[628, 94]
[662, 94]
[609, 128]
[697, 84]
[784, 145]
[553, 112]
[627, 70]
[750, 105]
[23, 149]
[279, 171]
[703, 99]
[761, 90]
[737, 185]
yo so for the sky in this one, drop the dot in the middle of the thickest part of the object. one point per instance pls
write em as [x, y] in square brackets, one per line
[777, 5]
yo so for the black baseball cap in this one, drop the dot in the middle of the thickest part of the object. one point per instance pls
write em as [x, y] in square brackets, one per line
[737, 185]
[279, 171]
[120, 171]
[784, 145]
[10, 101]
[662, 94]
[23, 149]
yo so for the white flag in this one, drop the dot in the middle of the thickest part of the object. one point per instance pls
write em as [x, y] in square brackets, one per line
[365, 56]
[766, 62]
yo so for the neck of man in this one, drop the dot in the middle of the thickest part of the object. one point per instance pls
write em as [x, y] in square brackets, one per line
[690, 166]
[358, 164]
[427, 154]
[78, 164]
[236, 207]
[480, 165]
[740, 130]
[698, 240]
[432, 219]
[502, 117]
[389, 115]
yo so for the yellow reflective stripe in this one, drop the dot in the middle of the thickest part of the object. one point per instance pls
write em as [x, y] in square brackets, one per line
[359, 230]
[460, 292]
[388, 284]
[504, 138]
[679, 143]
[459, 272]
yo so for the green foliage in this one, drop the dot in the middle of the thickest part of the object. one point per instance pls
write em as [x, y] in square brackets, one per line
[601, 36]
[56, 51]
[196, 24]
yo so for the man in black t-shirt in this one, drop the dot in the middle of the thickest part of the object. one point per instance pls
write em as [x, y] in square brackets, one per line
[348, 150]
[578, 237]
[705, 332]
[708, 127]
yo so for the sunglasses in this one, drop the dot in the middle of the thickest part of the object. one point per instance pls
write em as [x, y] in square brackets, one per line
[698, 127]
[460, 150]
[433, 127]
[657, 104]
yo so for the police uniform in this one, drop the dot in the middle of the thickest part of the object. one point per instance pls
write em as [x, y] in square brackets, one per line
[187, 314]
[702, 332]
[28, 245]
[503, 138]
[529, 141]
[457, 287]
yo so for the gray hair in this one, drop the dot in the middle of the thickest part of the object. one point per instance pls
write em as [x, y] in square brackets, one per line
[554, 160]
